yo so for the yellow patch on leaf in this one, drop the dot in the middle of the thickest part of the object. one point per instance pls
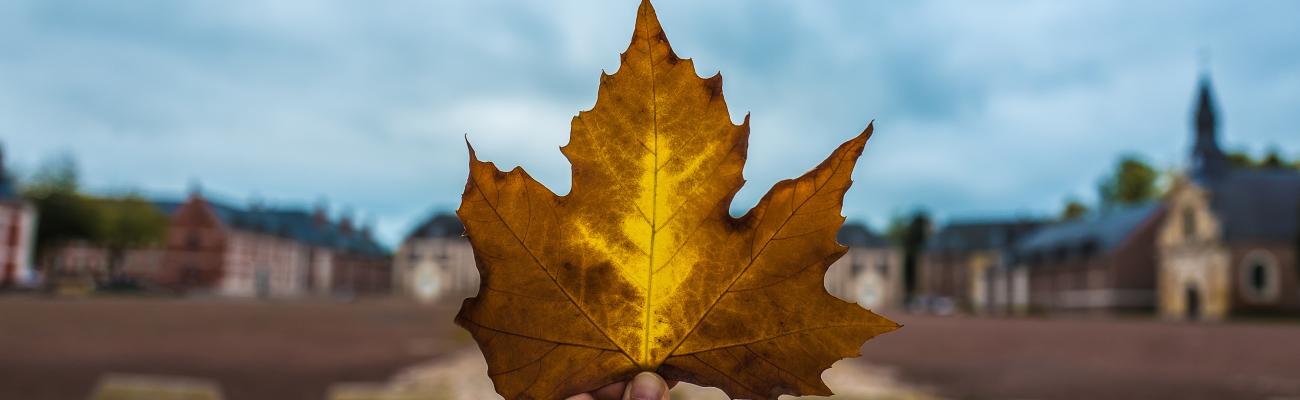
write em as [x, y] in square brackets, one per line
[641, 267]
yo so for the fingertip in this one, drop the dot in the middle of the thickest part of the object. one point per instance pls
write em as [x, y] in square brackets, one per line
[646, 386]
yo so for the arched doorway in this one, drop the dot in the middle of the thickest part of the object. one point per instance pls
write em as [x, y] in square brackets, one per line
[1193, 299]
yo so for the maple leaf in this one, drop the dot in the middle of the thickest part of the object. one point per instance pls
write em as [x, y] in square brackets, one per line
[641, 267]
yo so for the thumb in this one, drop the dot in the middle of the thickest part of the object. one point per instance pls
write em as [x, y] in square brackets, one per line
[646, 386]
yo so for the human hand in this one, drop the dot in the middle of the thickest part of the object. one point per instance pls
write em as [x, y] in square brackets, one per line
[643, 386]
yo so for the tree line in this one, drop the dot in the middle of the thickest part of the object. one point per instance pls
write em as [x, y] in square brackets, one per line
[68, 215]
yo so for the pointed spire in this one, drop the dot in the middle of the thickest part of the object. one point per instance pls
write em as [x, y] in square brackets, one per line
[319, 213]
[1207, 157]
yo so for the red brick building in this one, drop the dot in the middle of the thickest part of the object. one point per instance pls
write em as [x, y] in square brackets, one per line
[268, 252]
[959, 260]
[1102, 262]
[17, 233]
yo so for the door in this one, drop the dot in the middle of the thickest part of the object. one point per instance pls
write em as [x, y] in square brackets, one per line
[1193, 298]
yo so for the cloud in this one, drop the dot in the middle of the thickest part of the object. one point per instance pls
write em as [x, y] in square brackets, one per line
[990, 109]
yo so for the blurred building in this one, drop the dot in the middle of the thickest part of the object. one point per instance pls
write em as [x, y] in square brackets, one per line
[435, 262]
[267, 252]
[17, 233]
[80, 265]
[1104, 261]
[1229, 246]
[963, 267]
[870, 273]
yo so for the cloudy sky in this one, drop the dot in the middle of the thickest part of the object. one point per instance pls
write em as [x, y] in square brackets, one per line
[988, 110]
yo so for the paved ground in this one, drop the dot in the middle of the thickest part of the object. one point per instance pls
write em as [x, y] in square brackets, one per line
[58, 349]
[463, 376]
[972, 358]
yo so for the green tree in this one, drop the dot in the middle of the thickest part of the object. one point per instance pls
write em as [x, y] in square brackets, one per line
[1240, 159]
[125, 223]
[65, 215]
[1133, 181]
[1273, 160]
[1074, 209]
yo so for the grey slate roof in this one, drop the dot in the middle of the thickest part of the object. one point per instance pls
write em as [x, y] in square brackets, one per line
[1256, 204]
[440, 225]
[297, 224]
[166, 206]
[7, 188]
[857, 235]
[964, 236]
[1104, 229]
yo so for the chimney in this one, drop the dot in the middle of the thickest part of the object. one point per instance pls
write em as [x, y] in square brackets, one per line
[366, 230]
[318, 213]
[345, 222]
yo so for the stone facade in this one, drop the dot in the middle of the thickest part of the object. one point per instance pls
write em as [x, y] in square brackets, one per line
[1205, 275]
[435, 262]
[1195, 273]
[1229, 246]
[870, 273]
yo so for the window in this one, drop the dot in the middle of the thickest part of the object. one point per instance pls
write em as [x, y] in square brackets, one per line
[1088, 250]
[1258, 279]
[192, 240]
[1189, 223]
[1059, 255]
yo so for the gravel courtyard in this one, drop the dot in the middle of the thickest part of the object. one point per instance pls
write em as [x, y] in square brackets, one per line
[59, 349]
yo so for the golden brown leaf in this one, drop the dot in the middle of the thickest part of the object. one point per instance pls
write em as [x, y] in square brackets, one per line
[641, 268]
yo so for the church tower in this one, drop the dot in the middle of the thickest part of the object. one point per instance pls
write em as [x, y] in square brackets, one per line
[1207, 158]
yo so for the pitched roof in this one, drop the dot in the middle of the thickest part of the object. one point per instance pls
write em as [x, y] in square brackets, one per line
[7, 188]
[297, 224]
[1257, 204]
[1105, 229]
[440, 225]
[857, 235]
[980, 235]
[167, 206]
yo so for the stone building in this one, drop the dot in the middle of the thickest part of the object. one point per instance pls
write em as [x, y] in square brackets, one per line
[961, 267]
[267, 252]
[17, 233]
[1229, 246]
[870, 273]
[435, 262]
[1102, 262]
